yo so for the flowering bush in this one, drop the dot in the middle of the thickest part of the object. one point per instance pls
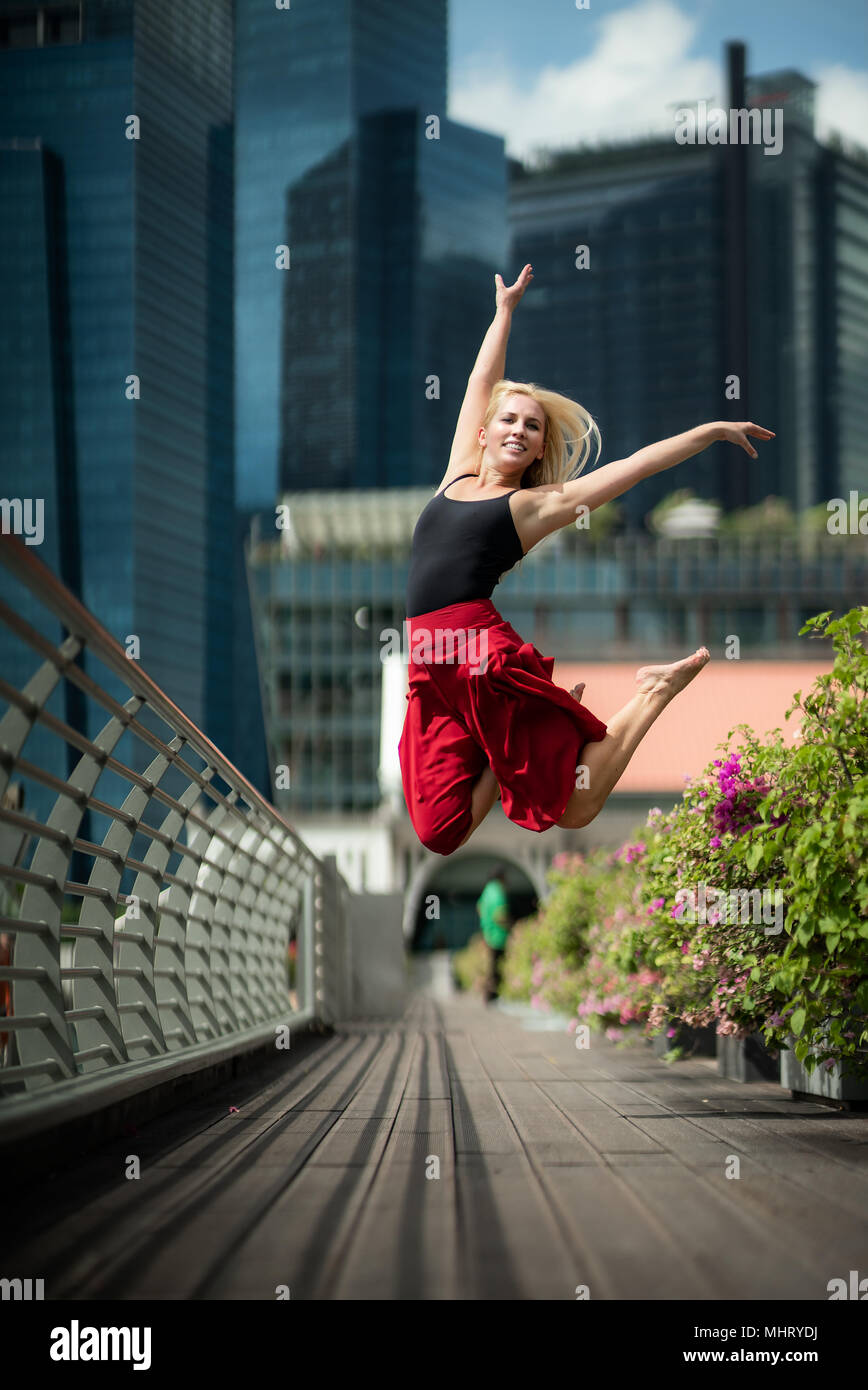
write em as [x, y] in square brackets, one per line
[470, 965]
[534, 969]
[776, 827]
[745, 906]
[582, 954]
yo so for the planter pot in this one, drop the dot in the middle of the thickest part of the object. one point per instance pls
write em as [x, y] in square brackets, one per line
[747, 1059]
[694, 1042]
[833, 1084]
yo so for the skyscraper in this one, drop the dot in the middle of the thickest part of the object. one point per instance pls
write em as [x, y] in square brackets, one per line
[116, 362]
[305, 77]
[708, 268]
[397, 237]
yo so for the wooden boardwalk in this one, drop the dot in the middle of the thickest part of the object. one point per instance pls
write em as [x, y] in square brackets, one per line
[557, 1168]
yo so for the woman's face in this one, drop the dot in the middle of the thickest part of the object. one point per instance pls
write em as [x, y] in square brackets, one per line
[516, 435]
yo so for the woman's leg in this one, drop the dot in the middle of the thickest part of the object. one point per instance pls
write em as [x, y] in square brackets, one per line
[607, 758]
[485, 793]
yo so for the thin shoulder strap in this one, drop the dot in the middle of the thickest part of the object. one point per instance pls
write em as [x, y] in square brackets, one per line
[455, 480]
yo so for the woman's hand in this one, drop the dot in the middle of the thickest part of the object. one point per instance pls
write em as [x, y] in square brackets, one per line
[737, 434]
[507, 296]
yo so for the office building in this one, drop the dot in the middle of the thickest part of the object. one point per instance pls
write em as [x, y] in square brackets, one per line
[305, 77]
[116, 379]
[709, 269]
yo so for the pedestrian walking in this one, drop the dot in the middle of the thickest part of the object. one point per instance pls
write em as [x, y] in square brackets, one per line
[495, 920]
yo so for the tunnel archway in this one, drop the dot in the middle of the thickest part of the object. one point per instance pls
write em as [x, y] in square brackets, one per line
[441, 912]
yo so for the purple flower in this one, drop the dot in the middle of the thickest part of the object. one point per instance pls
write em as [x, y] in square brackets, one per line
[715, 842]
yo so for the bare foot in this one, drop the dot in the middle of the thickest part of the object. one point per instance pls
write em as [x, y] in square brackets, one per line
[576, 691]
[668, 680]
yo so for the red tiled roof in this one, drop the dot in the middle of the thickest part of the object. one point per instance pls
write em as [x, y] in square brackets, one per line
[684, 739]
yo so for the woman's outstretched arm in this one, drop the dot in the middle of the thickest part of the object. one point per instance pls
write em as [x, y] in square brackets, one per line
[489, 367]
[559, 503]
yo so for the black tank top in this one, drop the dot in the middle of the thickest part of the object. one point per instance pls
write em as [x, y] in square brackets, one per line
[460, 551]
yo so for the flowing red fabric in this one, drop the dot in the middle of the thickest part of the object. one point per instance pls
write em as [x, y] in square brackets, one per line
[481, 696]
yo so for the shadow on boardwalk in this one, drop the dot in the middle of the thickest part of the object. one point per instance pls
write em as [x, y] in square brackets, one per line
[557, 1168]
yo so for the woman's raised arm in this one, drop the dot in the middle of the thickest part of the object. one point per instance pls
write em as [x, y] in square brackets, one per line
[489, 367]
[558, 503]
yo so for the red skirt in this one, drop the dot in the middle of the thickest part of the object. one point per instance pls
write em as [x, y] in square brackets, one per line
[482, 697]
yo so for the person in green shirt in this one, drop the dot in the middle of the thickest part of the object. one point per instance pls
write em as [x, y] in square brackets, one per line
[493, 910]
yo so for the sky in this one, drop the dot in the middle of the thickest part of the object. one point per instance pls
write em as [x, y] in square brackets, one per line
[543, 72]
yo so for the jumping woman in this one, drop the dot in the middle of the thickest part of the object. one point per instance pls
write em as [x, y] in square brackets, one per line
[484, 719]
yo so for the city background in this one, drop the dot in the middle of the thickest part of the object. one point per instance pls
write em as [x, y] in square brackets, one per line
[247, 258]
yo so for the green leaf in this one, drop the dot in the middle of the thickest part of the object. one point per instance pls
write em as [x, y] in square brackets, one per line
[797, 1022]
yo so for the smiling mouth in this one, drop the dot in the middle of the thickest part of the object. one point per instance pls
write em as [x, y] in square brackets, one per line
[515, 448]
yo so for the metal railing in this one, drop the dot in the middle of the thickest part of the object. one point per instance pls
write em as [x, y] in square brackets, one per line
[105, 992]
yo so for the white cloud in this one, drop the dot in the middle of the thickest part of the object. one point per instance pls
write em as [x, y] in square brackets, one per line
[628, 85]
[841, 102]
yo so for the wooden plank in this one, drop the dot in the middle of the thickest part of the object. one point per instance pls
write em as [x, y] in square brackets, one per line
[511, 1246]
[382, 1086]
[480, 1124]
[462, 1059]
[738, 1257]
[404, 1244]
[542, 1127]
[628, 1251]
[602, 1127]
[428, 1074]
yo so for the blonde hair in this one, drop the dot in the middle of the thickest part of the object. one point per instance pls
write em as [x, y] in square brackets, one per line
[568, 432]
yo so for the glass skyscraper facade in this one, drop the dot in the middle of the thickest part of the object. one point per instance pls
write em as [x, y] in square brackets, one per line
[390, 294]
[842, 318]
[305, 78]
[628, 328]
[641, 338]
[116, 378]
